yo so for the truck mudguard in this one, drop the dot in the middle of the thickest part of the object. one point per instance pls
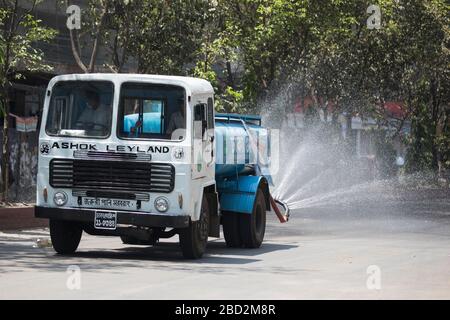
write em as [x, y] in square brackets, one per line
[238, 195]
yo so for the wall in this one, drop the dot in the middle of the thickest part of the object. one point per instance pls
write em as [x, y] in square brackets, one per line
[23, 164]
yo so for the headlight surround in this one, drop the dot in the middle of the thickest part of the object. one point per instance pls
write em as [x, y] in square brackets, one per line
[60, 198]
[161, 204]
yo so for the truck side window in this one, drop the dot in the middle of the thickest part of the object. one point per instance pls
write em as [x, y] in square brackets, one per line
[200, 120]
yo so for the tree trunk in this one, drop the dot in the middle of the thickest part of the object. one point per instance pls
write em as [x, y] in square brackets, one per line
[5, 149]
[230, 75]
[348, 131]
[434, 129]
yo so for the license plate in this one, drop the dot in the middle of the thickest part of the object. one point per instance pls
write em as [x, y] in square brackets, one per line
[106, 220]
[105, 203]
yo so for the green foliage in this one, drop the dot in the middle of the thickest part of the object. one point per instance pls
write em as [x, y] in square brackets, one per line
[164, 39]
[252, 49]
[21, 31]
[419, 156]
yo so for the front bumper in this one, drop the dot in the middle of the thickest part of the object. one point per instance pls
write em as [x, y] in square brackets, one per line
[130, 218]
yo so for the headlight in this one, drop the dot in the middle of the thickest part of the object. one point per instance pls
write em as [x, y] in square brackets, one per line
[60, 198]
[161, 204]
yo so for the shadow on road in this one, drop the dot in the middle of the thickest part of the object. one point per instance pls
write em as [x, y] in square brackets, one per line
[18, 256]
[217, 252]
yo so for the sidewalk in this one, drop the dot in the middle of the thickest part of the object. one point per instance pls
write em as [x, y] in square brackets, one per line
[12, 218]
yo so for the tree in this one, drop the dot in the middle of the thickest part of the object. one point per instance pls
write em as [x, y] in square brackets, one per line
[419, 76]
[94, 19]
[165, 39]
[251, 50]
[161, 37]
[20, 30]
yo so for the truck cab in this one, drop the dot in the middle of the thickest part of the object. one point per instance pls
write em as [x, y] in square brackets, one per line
[131, 156]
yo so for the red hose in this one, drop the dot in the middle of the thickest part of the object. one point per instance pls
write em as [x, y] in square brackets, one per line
[282, 217]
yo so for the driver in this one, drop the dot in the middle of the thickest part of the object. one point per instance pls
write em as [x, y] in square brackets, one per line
[95, 116]
[177, 120]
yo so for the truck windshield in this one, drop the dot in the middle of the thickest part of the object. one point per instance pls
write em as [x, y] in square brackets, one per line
[152, 111]
[80, 109]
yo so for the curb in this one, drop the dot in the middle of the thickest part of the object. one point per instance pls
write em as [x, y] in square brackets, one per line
[20, 218]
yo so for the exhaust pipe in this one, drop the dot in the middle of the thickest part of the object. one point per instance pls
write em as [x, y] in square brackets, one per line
[283, 217]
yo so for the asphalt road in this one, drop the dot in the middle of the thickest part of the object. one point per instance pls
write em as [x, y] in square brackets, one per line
[380, 248]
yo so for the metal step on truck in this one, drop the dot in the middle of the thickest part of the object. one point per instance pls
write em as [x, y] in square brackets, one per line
[145, 157]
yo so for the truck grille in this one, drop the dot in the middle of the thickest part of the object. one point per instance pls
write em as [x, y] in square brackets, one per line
[112, 175]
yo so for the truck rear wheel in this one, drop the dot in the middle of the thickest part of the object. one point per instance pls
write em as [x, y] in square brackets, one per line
[253, 226]
[231, 232]
[194, 238]
[65, 236]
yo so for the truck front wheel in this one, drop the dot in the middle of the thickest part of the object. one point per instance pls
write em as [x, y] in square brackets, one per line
[65, 236]
[194, 238]
[253, 226]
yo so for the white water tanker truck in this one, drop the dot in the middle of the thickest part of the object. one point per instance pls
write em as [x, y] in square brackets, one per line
[145, 157]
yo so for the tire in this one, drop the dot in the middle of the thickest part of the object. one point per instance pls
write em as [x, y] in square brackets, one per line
[231, 232]
[65, 236]
[253, 226]
[194, 238]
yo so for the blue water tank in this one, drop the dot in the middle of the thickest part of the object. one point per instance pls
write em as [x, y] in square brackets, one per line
[241, 144]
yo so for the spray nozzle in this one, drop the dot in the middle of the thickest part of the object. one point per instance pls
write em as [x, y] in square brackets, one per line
[276, 205]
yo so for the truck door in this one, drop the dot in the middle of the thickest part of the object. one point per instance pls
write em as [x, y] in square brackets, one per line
[203, 164]
[209, 148]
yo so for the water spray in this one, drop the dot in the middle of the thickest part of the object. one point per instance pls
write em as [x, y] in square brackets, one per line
[275, 203]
